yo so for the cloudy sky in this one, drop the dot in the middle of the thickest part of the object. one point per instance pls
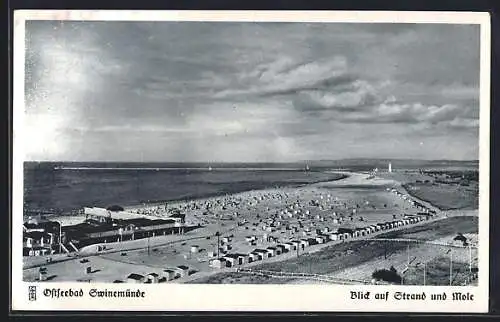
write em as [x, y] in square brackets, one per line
[255, 92]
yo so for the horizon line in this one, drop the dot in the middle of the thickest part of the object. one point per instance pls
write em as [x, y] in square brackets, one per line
[256, 162]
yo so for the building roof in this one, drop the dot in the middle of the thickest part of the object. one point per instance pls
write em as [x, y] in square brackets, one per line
[233, 256]
[153, 274]
[115, 208]
[183, 267]
[135, 276]
[47, 225]
[83, 228]
[95, 227]
[36, 234]
[145, 221]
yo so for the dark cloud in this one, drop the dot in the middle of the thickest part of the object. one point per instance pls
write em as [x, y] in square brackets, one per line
[269, 91]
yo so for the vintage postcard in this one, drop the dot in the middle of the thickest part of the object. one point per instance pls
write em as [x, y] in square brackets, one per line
[251, 161]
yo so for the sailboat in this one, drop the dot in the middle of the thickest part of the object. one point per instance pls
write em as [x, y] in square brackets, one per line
[307, 167]
[209, 168]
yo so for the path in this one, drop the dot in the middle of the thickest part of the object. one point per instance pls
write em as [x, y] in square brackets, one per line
[418, 241]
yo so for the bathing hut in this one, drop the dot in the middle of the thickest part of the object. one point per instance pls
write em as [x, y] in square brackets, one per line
[231, 260]
[281, 248]
[168, 274]
[320, 239]
[311, 241]
[289, 246]
[152, 278]
[182, 270]
[42, 274]
[261, 252]
[271, 251]
[304, 243]
[135, 278]
[253, 256]
[242, 258]
[334, 236]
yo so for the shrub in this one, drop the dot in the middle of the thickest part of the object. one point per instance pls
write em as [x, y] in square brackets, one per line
[387, 275]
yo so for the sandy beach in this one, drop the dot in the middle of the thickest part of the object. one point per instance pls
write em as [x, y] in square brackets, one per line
[269, 216]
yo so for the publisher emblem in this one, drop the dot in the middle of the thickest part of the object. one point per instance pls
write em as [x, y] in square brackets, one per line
[32, 293]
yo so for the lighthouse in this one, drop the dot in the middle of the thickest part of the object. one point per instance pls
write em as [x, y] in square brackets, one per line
[390, 167]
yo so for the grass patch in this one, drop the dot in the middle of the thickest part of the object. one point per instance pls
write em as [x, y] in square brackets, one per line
[237, 278]
[438, 273]
[445, 196]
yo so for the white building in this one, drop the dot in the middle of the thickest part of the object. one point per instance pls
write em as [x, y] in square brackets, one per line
[218, 263]
[152, 278]
[182, 270]
[271, 251]
[252, 257]
[334, 236]
[168, 274]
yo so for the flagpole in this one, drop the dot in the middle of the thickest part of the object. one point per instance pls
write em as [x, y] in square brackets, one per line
[60, 239]
[451, 267]
[425, 264]
[470, 258]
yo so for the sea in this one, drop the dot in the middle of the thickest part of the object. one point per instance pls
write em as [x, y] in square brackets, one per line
[65, 188]
[54, 188]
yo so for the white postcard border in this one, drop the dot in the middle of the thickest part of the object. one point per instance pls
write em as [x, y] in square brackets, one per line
[192, 297]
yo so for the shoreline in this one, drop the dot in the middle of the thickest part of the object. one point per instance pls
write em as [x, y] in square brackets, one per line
[234, 194]
[244, 194]
[211, 196]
